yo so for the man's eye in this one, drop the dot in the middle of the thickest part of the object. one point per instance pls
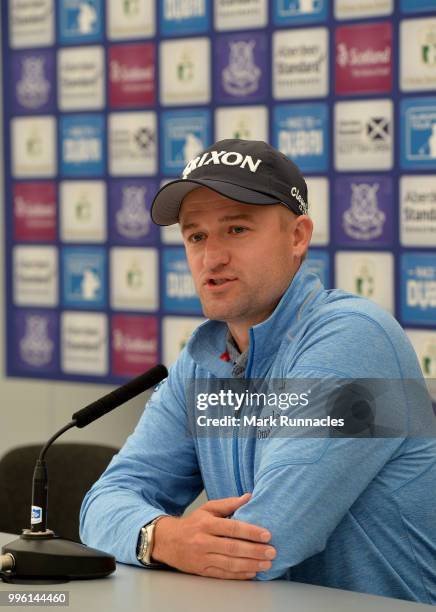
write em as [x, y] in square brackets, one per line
[195, 237]
[237, 229]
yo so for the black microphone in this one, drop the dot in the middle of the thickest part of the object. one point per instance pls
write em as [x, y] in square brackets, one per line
[117, 397]
[41, 555]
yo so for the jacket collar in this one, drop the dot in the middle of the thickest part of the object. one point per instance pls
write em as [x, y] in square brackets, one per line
[208, 342]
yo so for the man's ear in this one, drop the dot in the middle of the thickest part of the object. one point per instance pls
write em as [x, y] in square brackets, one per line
[303, 228]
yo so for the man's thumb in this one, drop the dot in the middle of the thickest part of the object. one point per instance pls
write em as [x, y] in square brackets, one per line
[226, 505]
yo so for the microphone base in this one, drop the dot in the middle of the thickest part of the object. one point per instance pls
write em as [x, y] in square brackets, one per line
[45, 558]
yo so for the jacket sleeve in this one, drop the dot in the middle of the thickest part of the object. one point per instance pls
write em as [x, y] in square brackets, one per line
[156, 472]
[301, 499]
[304, 486]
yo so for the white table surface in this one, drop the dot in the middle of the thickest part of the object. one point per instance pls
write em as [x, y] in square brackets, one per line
[132, 588]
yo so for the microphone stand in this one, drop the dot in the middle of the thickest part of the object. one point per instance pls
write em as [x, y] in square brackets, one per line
[39, 554]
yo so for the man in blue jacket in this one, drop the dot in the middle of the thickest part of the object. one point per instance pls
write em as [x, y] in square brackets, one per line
[343, 511]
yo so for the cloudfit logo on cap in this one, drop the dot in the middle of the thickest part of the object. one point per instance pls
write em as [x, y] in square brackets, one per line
[302, 204]
[228, 158]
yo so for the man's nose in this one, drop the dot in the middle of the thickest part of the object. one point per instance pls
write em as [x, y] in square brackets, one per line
[216, 255]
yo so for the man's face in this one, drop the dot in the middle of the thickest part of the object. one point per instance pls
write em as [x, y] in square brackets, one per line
[242, 257]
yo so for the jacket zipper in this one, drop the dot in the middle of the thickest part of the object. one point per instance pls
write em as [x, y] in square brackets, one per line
[235, 446]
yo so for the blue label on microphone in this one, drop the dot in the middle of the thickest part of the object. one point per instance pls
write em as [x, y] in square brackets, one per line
[36, 515]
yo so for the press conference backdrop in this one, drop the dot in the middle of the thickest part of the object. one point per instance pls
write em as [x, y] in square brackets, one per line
[104, 102]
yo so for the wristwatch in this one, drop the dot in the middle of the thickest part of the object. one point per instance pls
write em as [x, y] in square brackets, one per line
[146, 542]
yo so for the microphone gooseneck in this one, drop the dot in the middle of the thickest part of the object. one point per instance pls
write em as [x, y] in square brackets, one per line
[39, 553]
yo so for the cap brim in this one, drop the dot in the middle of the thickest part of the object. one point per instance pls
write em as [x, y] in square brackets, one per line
[166, 204]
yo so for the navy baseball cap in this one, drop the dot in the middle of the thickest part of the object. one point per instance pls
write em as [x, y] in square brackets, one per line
[248, 171]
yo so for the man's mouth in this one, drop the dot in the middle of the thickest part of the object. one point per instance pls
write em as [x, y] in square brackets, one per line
[218, 282]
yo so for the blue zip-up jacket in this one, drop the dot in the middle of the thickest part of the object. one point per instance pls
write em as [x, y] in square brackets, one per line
[352, 513]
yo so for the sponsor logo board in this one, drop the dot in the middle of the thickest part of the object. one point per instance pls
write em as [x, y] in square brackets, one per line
[84, 277]
[424, 343]
[132, 143]
[318, 196]
[418, 133]
[179, 294]
[318, 262]
[367, 274]
[185, 71]
[134, 344]
[300, 131]
[80, 21]
[31, 23]
[81, 78]
[245, 122]
[414, 6]
[364, 135]
[82, 145]
[183, 17]
[33, 74]
[184, 134]
[35, 275]
[364, 211]
[132, 75]
[134, 279]
[35, 211]
[83, 211]
[418, 210]
[129, 205]
[418, 54]
[364, 58]
[176, 332]
[33, 147]
[418, 288]
[241, 68]
[354, 9]
[171, 234]
[131, 19]
[300, 63]
[35, 343]
[84, 344]
[240, 14]
[294, 12]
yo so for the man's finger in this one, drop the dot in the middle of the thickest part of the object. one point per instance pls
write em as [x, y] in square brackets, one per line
[227, 505]
[217, 572]
[232, 547]
[238, 564]
[238, 529]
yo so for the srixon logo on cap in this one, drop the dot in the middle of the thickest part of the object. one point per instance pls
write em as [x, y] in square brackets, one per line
[302, 204]
[228, 158]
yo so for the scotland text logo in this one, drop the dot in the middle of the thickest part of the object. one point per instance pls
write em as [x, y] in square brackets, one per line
[241, 67]
[80, 21]
[84, 343]
[134, 344]
[300, 132]
[418, 133]
[84, 283]
[183, 17]
[31, 23]
[179, 290]
[82, 145]
[418, 290]
[299, 11]
[364, 58]
[184, 134]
